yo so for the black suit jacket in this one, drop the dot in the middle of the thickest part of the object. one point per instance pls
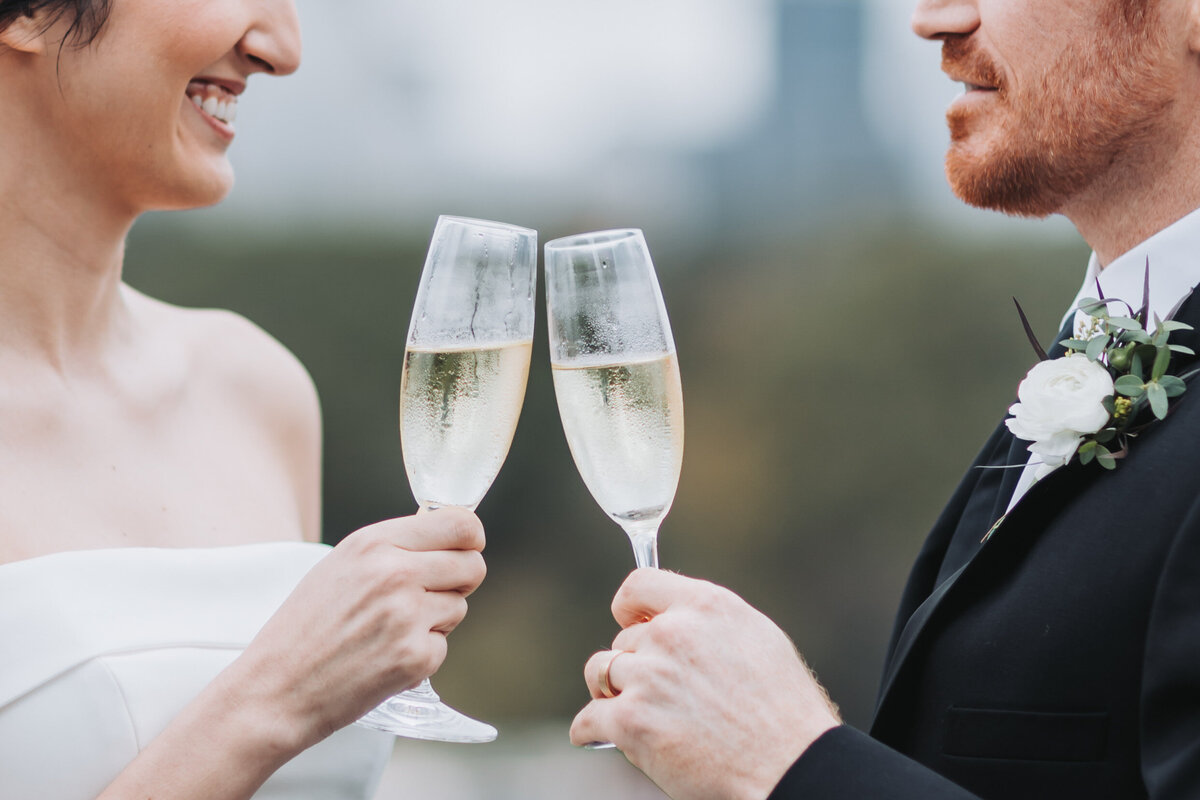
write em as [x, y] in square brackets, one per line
[1058, 659]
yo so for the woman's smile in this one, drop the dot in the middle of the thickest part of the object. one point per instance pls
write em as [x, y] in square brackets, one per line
[216, 103]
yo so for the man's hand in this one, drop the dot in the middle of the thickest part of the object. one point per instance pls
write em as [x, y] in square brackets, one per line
[713, 699]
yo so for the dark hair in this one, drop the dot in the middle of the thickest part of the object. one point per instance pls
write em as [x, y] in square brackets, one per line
[87, 16]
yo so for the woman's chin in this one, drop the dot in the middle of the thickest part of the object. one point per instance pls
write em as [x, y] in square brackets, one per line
[198, 193]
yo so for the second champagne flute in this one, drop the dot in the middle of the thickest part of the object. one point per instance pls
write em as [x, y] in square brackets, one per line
[616, 378]
[466, 362]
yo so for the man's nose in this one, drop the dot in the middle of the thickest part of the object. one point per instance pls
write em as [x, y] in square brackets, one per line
[937, 19]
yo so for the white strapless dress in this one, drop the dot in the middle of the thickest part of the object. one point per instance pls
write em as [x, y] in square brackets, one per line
[99, 649]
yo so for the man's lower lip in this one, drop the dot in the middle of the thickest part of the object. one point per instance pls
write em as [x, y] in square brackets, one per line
[972, 96]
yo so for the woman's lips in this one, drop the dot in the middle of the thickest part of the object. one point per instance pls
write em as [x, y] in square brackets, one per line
[214, 101]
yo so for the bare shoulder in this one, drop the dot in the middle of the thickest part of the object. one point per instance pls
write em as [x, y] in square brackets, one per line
[242, 358]
[241, 368]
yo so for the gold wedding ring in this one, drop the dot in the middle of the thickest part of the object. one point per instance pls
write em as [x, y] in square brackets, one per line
[606, 688]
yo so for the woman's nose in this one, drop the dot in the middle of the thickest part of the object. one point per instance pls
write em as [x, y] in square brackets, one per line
[272, 43]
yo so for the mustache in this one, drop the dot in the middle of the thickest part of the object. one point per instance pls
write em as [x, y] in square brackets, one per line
[963, 59]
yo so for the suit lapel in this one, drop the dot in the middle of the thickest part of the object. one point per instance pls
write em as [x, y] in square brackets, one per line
[977, 506]
[1189, 312]
[1029, 514]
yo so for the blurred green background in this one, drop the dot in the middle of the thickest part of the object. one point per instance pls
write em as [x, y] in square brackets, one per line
[837, 380]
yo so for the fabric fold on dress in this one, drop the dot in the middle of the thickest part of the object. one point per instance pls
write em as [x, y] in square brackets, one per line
[102, 648]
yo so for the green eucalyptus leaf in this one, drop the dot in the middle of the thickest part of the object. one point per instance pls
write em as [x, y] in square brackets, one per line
[1095, 347]
[1179, 348]
[1161, 361]
[1086, 456]
[1174, 325]
[1158, 399]
[1125, 323]
[1141, 337]
[1129, 385]
[1075, 344]
[1106, 460]
[1107, 435]
[1172, 386]
[1136, 365]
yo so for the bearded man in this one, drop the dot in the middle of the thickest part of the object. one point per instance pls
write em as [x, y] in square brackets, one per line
[1048, 641]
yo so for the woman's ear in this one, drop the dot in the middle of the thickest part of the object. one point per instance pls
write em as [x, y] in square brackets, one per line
[26, 34]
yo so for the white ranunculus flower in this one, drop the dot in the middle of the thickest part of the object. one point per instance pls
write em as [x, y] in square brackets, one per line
[1059, 402]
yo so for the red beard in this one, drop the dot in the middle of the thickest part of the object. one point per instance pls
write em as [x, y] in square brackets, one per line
[1030, 153]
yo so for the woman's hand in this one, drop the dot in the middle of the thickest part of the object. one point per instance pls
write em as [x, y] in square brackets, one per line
[368, 621]
[712, 699]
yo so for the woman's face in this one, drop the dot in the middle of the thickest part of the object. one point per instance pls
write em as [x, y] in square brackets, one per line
[144, 115]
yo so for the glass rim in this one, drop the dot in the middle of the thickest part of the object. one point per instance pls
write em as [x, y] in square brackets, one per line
[485, 223]
[579, 241]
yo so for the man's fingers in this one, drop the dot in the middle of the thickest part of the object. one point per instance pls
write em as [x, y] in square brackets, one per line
[591, 724]
[444, 529]
[647, 592]
[602, 673]
[633, 638]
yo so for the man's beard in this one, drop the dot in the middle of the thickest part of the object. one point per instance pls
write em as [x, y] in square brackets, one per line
[1089, 112]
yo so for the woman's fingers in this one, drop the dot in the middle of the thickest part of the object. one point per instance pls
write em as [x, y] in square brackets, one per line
[439, 551]
[459, 571]
[444, 529]
[444, 611]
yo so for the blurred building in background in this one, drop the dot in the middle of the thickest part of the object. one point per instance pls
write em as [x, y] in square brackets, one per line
[810, 157]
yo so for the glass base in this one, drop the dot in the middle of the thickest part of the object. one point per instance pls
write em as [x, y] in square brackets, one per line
[420, 714]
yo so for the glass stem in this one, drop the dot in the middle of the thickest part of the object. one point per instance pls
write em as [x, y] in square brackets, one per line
[645, 546]
[424, 691]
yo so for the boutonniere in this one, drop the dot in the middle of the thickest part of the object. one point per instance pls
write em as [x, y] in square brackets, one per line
[1092, 400]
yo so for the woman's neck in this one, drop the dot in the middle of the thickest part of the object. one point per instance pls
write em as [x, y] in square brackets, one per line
[60, 276]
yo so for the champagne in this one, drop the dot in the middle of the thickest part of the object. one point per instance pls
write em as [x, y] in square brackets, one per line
[624, 425]
[458, 413]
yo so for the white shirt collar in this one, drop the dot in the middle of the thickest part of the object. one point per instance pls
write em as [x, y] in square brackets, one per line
[1174, 258]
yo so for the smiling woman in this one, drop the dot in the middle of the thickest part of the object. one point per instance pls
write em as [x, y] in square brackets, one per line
[172, 625]
[169, 151]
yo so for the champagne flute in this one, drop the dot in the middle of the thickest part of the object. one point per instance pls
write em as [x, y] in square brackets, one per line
[466, 362]
[616, 378]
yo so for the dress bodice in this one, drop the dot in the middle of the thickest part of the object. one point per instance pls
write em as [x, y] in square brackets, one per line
[100, 649]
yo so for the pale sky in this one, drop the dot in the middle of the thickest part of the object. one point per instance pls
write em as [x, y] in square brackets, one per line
[403, 101]
[408, 108]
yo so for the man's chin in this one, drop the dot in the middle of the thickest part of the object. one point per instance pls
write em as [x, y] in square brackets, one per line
[999, 184]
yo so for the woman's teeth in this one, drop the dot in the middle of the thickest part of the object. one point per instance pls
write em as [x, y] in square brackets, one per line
[217, 104]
